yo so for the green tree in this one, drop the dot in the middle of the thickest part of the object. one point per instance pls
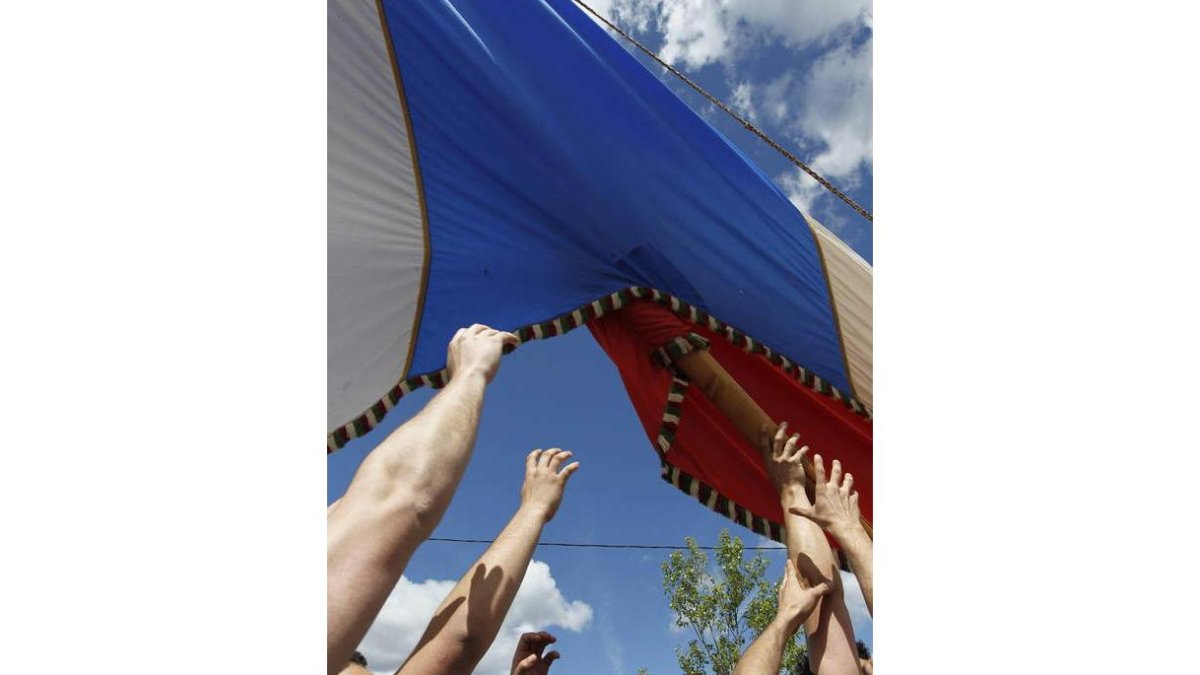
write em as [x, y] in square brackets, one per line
[726, 608]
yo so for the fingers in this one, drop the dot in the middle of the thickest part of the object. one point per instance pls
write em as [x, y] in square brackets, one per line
[509, 341]
[847, 484]
[528, 641]
[551, 460]
[551, 658]
[835, 474]
[547, 456]
[780, 435]
[790, 453]
[531, 460]
[557, 460]
[820, 589]
[819, 468]
[526, 664]
[571, 468]
[805, 511]
[801, 453]
[541, 640]
[790, 572]
[790, 446]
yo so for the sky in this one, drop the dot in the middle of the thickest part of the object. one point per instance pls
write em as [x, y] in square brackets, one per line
[802, 72]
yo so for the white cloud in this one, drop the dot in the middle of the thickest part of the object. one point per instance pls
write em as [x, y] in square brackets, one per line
[801, 189]
[743, 100]
[539, 605]
[696, 33]
[835, 102]
[801, 23]
[630, 15]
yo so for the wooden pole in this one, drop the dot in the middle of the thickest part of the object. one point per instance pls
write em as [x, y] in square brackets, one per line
[733, 401]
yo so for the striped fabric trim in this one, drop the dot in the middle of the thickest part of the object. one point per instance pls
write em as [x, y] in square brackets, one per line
[559, 325]
[667, 354]
[705, 493]
[708, 496]
[699, 490]
[671, 413]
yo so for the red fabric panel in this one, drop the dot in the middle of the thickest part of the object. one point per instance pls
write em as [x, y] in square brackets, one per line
[622, 335]
[707, 445]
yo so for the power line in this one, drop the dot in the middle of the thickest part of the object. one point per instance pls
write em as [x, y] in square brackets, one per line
[453, 540]
[745, 123]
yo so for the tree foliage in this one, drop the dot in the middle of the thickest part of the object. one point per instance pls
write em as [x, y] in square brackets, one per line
[725, 607]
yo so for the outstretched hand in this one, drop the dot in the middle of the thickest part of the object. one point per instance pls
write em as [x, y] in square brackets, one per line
[785, 463]
[796, 602]
[835, 506]
[477, 350]
[528, 659]
[544, 484]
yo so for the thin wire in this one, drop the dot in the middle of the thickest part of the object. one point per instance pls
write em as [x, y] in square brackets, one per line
[749, 127]
[577, 545]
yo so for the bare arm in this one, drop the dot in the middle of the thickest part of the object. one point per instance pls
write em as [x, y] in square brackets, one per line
[829, 630]
[468, 619]
[835, 508]
[795, 605]
[401, 490]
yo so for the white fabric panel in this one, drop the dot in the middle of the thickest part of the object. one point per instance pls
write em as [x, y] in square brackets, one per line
[850, 278]
[376, 236]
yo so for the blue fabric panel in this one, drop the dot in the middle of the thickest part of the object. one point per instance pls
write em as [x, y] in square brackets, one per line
[558, 169]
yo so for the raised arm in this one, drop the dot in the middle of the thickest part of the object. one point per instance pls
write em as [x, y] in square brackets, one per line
[468, 619]
[835, 509]
[796, 603]
[828, 629]
[401, 490]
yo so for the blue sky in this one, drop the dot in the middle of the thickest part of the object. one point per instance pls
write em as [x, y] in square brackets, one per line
[803, 75]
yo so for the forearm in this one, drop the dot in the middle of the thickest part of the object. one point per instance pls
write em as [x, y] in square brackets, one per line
[857, 546]
[806, 543]
[397, 496]
[828, 629]
[469, 618]
[425, 458]
[766, 652]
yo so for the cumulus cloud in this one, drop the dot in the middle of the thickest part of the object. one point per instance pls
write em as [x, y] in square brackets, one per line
[743, 100]
[799, 24]
[539, 605]
[833, 122]
[635, 15]
[837, 103]
[696, 33]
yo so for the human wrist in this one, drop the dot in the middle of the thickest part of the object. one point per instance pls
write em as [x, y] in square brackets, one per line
[848, 532]
[793, 495]
[471, 374]
[535, 512]
[785, 625]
